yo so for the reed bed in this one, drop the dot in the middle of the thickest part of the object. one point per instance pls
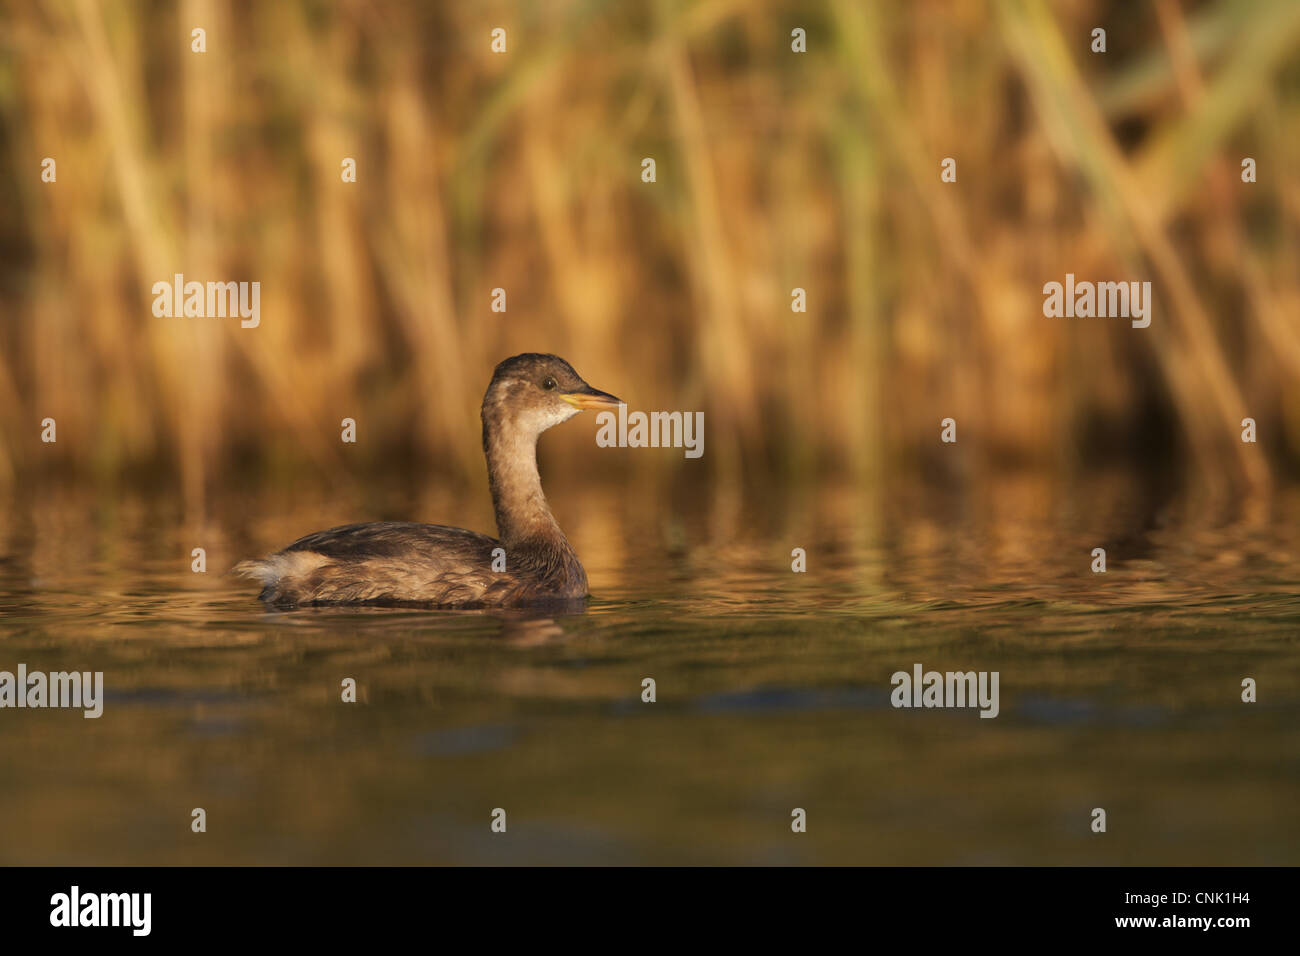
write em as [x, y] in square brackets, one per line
[775, 170]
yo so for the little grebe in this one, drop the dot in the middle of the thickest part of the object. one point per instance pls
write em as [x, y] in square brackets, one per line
[397, 562]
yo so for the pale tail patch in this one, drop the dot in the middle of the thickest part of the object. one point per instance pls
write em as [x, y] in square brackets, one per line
[280, 569]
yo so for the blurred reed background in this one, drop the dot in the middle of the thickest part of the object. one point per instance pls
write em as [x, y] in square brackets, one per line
[775, 170]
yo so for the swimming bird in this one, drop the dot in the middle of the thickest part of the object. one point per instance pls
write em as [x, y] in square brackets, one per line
[405, 563]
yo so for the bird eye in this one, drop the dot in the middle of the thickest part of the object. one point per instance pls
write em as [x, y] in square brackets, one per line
[549, 384]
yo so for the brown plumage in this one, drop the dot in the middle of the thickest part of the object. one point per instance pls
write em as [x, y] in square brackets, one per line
[403, 563]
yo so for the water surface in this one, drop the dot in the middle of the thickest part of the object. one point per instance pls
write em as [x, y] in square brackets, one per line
[1119, 691]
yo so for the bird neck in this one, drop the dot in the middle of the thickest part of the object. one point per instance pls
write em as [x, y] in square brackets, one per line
[523, 516]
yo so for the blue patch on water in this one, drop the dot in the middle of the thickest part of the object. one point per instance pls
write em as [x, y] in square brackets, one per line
[1077, 710]
[776, 699]
[465, 740]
